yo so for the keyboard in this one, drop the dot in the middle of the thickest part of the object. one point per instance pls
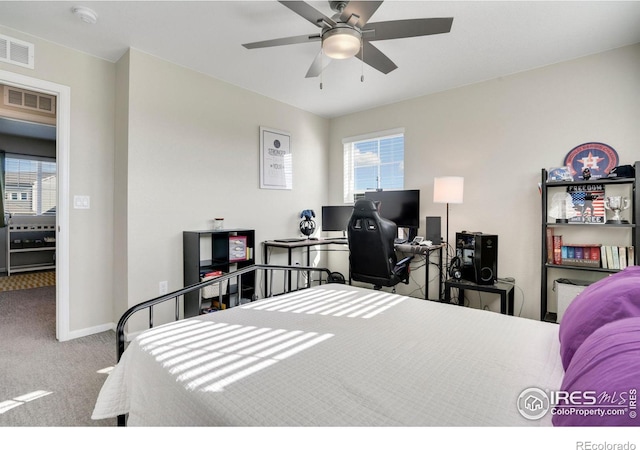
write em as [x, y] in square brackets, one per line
[290, 240]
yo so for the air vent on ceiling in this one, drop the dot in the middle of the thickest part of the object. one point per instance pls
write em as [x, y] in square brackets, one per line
[14, 51]
[33, 101]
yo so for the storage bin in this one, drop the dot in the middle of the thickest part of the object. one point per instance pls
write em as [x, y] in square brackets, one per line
[213, 290]
[566, 291]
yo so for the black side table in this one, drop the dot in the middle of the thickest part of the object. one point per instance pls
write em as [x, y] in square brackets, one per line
[504, 289]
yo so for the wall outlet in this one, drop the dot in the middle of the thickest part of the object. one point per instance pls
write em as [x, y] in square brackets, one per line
[163, 287]
[81, 202]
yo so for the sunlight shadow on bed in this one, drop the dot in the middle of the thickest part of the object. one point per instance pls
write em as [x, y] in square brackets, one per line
[209, 356]
[336, 304]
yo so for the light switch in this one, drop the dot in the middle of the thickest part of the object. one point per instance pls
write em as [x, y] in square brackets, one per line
[81, 202]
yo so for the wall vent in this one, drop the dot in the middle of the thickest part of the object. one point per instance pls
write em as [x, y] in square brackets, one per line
[14, 51]
[33, 101]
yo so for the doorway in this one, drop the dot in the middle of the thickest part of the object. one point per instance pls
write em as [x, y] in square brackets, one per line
[63, 117]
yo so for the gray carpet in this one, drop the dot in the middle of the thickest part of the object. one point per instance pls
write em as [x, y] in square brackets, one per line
[32, 360]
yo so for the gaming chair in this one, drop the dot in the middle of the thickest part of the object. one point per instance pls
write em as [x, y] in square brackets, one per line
[372, 256]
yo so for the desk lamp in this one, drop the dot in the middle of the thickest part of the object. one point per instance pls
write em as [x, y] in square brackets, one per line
[448, 190]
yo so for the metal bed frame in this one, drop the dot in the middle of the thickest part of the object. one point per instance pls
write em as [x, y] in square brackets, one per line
[268, 270]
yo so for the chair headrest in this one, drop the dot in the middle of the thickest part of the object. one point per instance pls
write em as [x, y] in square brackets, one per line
[364, 206]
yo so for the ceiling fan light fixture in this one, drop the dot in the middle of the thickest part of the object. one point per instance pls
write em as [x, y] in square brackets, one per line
[341, 42]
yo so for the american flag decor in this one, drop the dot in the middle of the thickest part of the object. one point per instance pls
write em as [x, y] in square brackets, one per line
[588, 202]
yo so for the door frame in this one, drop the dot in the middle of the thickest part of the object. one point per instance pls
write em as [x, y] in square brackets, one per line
[63, 135]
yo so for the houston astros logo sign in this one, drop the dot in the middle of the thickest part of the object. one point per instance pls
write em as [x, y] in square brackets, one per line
[597, 157]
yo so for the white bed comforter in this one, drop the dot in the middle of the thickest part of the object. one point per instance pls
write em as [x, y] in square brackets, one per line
[335, 355]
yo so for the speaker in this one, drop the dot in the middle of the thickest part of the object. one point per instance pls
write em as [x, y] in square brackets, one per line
[433, 230]
[478, 256]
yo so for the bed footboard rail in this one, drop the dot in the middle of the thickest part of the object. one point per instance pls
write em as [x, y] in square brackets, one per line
[302, 272]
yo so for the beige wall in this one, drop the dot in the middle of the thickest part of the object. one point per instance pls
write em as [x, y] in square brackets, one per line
[161, 149]
[92, 84]
[498, 135]
[193, 155]
[121, 185]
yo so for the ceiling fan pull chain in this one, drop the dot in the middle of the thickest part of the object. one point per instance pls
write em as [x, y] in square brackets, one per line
[362, 61]
[321, 66]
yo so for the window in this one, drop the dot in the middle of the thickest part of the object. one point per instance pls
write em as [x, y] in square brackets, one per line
[374, 161]
[31, 185]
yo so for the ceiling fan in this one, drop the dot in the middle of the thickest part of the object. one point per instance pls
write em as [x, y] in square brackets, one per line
[347, 33]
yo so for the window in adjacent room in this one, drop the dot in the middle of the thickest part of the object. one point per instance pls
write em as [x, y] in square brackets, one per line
[373, 161]
[30, 185]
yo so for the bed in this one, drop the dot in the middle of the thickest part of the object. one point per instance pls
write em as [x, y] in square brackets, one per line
[335, 355]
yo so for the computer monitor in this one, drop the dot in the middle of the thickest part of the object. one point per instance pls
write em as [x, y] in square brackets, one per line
[401, 207]
[336, 218]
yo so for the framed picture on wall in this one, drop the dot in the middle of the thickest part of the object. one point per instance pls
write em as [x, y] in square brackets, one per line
[276, 168]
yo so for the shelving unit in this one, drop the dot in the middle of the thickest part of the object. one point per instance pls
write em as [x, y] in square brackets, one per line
[30, 247]
[622, 234]
[207, 251]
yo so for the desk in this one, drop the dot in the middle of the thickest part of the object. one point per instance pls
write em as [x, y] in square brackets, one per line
[306, 243]
[504, 289]
[423, 250]
[426, 252]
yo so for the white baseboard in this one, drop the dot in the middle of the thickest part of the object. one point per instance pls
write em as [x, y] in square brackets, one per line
[74, 334]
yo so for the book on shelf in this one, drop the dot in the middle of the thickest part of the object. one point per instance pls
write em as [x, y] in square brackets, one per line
[577, 253]
[603, 257]
[616, 257]
[588, 202]
[592, 255]
[550, 245]
[619, 257]
[557, 249]
[622, 257]
[610, 261]
[583, 255]
[209, 275]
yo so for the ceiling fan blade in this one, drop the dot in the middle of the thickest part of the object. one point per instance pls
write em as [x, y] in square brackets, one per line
[396, 29]
[364, 10]
[283, 41]
[317, 66]
[375, 58]
[309, 12]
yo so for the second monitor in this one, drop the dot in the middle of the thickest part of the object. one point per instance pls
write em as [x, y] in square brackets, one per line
[401, 207]
[336, 218]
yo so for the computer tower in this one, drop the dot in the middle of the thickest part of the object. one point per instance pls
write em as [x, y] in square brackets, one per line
[477, 255]
[433, 230]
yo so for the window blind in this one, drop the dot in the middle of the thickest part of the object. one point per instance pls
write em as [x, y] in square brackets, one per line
[373, 161]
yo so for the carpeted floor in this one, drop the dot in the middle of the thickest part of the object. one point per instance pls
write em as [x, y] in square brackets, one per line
[45, 382]
[28, 280]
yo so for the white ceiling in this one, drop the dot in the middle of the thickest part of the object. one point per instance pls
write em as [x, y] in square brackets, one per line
[487, 40]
